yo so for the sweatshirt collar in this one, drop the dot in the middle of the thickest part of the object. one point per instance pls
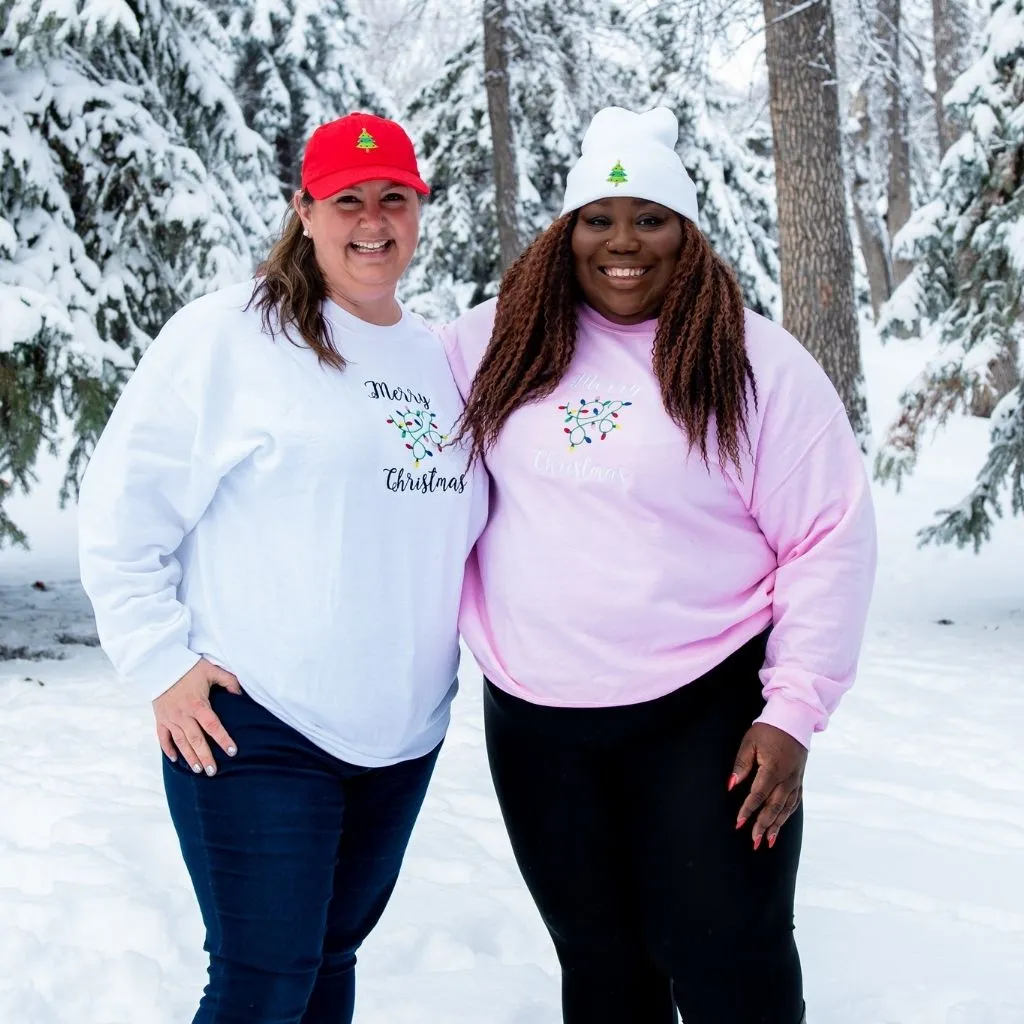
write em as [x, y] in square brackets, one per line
[591, 318]
[349, 322]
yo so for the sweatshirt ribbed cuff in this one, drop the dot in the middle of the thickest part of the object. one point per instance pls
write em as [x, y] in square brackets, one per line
[794, 717]
[161, 670]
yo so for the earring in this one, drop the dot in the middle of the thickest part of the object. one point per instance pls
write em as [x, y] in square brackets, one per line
[305, 233]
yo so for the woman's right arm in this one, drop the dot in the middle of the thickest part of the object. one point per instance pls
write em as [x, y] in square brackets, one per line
[147, 485]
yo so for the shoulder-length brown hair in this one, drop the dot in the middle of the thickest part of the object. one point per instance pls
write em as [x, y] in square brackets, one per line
[699, 355]
[290, 290]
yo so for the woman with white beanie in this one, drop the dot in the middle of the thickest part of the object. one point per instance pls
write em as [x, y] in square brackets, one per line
[669, 597]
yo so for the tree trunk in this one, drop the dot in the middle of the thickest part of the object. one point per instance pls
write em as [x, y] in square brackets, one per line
[951, 27]
[506, 180]
[887, 30]
[814, 236]
[874, 241]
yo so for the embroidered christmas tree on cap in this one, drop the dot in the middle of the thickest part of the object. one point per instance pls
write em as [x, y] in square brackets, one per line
[366, 141]
[618, 175]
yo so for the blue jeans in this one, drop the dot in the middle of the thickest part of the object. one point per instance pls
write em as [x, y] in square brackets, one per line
[293, 855]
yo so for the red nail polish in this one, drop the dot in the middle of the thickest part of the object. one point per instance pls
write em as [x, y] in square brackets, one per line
[757, 842]
[771, 842]
[733, 779]
[741, 822]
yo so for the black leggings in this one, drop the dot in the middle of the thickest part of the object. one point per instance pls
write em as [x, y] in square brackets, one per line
[624, 831]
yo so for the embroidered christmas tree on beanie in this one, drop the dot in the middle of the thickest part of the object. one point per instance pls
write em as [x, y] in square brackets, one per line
[618, 175]
[647, 167]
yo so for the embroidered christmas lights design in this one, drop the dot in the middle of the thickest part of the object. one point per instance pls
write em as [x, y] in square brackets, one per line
[418, 428]
[588, 418]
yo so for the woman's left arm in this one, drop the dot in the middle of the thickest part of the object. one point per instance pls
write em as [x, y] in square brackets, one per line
[815, 510]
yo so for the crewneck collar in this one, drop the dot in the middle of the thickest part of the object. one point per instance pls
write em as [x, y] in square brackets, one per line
[590, 316]
[342, 318]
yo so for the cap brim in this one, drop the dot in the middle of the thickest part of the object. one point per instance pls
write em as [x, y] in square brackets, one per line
[329, 184]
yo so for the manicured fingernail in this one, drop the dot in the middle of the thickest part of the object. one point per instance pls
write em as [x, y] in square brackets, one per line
[757, 842]
[741, 822]
[733, 779]
[197, 768]
[771, 841]
[210, 769]
[232, 751]
[172, 759]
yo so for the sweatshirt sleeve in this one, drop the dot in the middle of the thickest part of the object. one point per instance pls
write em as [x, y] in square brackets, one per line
[465, 341]
[815, 509]
[146, 486]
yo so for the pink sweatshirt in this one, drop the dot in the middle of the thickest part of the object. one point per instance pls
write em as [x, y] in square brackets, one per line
[616, 568]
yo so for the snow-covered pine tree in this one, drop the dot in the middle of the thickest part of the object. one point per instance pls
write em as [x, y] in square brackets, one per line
[456, 262]
[566, 62]
[298, 65]
[406, 42]
[559, 77]
[736, 192]
[129, 184]
[876, 56]
[728, 154]
[968, 248]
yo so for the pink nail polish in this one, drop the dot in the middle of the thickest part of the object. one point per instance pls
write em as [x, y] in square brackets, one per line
[757, 842]
[733, 779]
[771, 842]
[741, 822]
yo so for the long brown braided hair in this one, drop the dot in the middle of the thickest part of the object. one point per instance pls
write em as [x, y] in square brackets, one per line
[699, 358]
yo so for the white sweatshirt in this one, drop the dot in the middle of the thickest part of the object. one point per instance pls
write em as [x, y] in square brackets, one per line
[305, 528]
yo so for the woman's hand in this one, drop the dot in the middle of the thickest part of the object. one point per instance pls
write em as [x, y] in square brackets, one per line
[184, 717]
[778, 784]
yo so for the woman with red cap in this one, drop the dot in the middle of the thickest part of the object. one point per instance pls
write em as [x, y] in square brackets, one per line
[273, 530]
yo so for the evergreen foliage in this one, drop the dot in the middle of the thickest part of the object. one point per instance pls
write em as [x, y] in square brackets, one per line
[566, 62]
[144, 151]
[968, 248]
[298, 65]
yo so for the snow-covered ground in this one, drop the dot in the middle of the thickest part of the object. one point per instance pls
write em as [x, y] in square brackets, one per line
[911, 903]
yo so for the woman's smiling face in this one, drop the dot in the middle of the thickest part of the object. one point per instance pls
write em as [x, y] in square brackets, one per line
[364, 238]
[625, 251]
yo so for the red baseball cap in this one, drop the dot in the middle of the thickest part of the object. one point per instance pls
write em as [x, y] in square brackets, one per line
[358, 148]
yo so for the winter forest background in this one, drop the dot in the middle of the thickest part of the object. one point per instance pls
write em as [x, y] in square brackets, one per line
[147, 148]
[860, 163]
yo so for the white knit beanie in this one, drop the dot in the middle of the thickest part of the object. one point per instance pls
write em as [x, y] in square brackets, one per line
[628, 154]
